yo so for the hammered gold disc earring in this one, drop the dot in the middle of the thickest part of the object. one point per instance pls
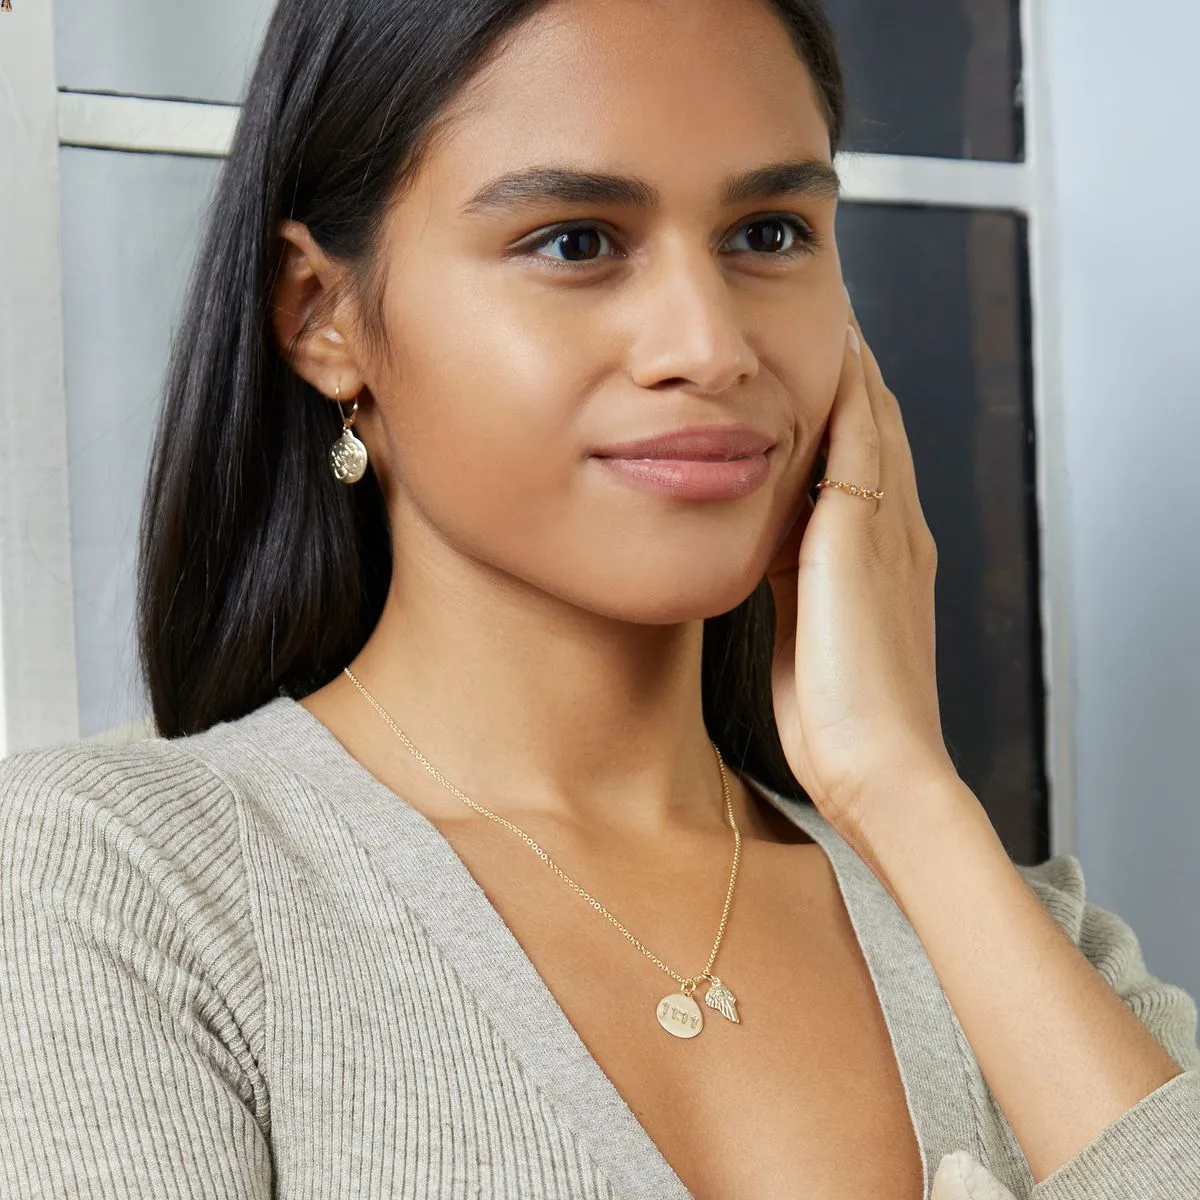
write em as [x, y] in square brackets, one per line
[347, 456]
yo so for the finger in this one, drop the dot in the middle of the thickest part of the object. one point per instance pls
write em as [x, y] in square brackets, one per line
[895, 448]
[871, 371]
[854, 437]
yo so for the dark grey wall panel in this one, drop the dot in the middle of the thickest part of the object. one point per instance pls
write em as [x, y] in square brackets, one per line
[934, 77]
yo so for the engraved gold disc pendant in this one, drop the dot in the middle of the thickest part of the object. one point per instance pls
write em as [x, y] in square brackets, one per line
[680, 1015]
[348, 457]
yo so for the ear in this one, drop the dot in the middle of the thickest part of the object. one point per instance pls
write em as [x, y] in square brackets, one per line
[310, 312]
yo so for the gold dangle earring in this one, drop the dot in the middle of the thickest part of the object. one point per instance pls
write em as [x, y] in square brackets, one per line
[347, 456]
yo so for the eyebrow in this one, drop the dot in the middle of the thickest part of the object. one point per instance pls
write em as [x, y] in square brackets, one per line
[525, 189]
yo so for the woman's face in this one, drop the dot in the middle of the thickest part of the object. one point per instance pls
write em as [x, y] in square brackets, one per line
[520, 348]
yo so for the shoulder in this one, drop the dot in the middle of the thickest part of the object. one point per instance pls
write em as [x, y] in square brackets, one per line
[129, 967]
[1111, 945]
[92, 795]
[186, 793]
[131, 852]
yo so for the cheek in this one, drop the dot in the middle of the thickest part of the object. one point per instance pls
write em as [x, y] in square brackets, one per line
[482, 413]
[812, 367]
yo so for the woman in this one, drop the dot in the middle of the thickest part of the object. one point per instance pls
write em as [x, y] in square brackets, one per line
[564, 274]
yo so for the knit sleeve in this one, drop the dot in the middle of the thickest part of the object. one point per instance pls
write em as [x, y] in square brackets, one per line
[131, 1021]
[1153, 1149]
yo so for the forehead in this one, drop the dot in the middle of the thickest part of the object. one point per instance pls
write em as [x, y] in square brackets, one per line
[683, 90]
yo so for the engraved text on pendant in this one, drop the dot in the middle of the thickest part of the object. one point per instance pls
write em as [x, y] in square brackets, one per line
[680, 1015]
[348, 457]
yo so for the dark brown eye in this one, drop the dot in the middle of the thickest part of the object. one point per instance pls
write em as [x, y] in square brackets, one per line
[770, 236]
[583, 244]
[580, 244]
[766, 235]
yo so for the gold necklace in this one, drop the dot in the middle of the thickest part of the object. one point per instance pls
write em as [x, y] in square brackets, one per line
[677, 1013]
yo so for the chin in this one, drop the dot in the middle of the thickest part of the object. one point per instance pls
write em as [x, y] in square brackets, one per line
[673, 599]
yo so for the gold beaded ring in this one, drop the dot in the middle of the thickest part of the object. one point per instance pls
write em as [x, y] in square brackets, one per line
[853, 488]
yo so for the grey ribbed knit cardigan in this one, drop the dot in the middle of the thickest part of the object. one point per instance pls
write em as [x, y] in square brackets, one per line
[236, 965]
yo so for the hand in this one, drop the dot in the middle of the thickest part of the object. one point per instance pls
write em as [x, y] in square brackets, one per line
[853, 674]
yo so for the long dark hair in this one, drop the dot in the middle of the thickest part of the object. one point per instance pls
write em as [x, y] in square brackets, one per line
[258, 572]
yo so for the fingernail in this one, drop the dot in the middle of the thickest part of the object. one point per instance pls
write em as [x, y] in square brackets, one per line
[852, 338]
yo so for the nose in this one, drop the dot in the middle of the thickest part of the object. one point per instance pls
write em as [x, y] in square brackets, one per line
[689, 332]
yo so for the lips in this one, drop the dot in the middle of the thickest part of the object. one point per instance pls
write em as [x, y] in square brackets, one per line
[705, 443]
[716, 462]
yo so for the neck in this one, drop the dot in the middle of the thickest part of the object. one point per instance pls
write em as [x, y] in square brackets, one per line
[529, 704]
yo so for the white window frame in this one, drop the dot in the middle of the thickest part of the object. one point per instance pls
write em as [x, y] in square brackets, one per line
[38, 687]
[39, 696]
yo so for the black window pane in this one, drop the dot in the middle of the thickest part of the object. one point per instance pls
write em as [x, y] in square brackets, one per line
[934, 77]
[941, 297]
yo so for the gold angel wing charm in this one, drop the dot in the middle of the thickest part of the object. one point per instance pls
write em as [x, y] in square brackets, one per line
[721, 998]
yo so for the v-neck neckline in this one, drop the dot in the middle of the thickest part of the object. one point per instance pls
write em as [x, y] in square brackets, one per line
[424, 868]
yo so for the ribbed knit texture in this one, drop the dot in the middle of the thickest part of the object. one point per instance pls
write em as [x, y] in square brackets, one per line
[236, 966]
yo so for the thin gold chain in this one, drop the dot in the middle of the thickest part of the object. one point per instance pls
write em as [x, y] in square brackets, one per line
[689, 983]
